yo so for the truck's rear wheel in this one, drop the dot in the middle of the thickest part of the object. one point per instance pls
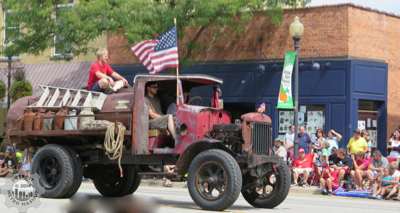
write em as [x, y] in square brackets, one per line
[269, 191]
[214, 180]
[109, 183]
[56, 169]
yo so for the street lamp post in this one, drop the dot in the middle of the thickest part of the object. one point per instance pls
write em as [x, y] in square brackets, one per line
[9, 60]
[296, 31]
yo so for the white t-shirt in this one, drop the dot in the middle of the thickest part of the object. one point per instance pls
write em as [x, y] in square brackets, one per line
[395, 143]
[333, 142]
[396, 174]
[281, 152]
[289, 140]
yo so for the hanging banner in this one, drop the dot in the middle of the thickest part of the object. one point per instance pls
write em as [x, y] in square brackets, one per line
[285, 98]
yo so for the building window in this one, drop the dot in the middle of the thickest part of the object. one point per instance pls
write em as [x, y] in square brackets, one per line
[11, 27]
[368, 116]
[62, 49]
[312, 117]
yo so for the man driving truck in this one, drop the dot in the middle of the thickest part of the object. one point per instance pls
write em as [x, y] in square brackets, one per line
[157, 119]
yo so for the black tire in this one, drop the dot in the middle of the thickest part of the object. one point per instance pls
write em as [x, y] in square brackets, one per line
[56, 168]
[231, 173]
[108, 182]
[134, 184]
[276, 196]
[78, 173]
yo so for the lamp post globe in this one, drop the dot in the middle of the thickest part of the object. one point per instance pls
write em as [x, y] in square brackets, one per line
[296, 28]
[296, 31]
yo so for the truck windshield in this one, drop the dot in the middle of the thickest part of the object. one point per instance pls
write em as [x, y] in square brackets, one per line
[201, 95]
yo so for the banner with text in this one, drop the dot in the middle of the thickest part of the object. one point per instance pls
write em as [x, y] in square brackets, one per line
[285, 98]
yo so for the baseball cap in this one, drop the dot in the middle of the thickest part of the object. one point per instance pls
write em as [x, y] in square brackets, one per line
[278, 139]
[357, 131]
[301, 150]
[259, 104]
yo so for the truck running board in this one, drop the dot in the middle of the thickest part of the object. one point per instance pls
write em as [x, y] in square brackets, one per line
[56, 97]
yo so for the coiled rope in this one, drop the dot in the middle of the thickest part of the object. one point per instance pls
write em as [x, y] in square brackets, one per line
[114, 146]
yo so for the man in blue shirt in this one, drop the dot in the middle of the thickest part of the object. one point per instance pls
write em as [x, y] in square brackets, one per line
[304, 140]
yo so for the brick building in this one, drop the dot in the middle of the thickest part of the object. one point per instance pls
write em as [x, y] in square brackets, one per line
[333, 34]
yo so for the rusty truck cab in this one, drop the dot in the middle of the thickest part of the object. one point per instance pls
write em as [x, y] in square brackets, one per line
[193, 120]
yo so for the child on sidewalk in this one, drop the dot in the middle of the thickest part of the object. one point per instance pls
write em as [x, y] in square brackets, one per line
[388, 184]
[329, 180]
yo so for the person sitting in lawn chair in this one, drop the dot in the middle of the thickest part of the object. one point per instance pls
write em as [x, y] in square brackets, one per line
[303, 166]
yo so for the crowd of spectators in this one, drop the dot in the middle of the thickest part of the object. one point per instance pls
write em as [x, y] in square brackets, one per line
[358, 167]
[13, 160]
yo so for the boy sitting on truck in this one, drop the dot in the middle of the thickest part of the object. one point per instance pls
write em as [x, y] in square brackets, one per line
[102, 78]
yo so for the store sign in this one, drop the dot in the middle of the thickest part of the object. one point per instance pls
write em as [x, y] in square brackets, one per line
[285, 98]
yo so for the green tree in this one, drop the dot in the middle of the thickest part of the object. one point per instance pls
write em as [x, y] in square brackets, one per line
[2, 89]
[20, 87]
[136, 19]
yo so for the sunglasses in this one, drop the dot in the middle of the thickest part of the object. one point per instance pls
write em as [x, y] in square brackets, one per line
[154, 87]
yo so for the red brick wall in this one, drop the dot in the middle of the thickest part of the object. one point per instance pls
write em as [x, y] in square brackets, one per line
[119, 50]
[263, 40]
[377, 36]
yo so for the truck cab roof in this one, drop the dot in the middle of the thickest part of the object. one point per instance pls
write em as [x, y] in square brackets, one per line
[193, 78]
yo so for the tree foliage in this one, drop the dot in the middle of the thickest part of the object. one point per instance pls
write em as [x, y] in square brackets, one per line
[19, 75]
[41, 20]
[20, 89]
[20, 86]
[2, 89]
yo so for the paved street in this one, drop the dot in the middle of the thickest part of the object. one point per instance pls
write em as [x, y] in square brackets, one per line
[178, 200]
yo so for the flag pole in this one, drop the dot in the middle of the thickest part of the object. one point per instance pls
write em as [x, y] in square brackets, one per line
[177, 67]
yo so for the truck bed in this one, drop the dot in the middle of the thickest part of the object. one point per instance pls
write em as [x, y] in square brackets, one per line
[58, 133]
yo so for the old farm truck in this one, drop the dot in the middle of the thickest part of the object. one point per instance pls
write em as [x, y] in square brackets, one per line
[77, 133]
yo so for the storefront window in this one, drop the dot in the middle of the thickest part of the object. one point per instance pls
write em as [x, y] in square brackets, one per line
[368, 120]
[310, 116]
[61, 47]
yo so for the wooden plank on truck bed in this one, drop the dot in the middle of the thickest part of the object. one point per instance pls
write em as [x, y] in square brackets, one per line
[77, 98]
[66, 97]
[43, 97]
[54, 98]
[60, 133]
[88, 101]
[100, 101]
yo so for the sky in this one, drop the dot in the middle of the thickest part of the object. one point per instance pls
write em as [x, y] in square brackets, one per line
[391, 6]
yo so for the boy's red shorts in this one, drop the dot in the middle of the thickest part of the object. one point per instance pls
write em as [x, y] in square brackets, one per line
[346, 170]
[334, 175]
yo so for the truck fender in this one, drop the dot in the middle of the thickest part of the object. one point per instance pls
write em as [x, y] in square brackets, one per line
[193, 150]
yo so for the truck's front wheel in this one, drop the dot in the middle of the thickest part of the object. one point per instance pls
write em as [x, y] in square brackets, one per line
[267, 191]
[109, 183]
[56, 169]
[214, 180]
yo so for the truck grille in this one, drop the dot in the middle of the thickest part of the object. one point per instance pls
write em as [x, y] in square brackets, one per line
[261, 137]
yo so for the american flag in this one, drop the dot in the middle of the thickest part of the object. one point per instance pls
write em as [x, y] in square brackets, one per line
[160, 54]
